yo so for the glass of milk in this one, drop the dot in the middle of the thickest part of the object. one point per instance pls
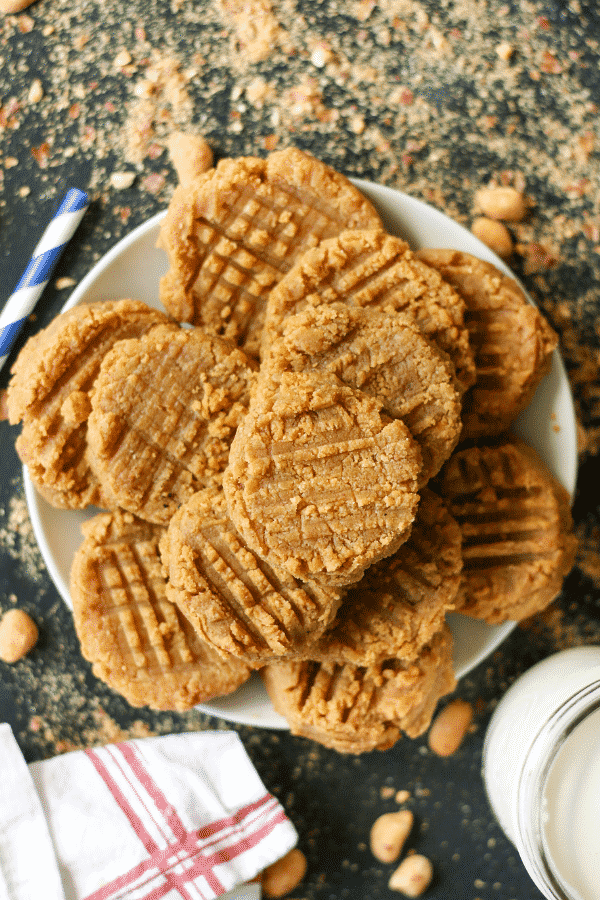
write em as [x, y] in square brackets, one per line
[541, 769]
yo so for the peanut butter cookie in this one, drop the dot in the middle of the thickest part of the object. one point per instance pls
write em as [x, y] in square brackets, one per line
[384, 354]
[233, 233]
[236, 601]
[372, 268]
[319, 480]
[138, 642]
[517, 531]
[50, 393]
[164, 412]
[512, 341]
[354, 709]
[401, 602]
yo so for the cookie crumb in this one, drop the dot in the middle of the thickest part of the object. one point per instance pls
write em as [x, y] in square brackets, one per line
[190, 155]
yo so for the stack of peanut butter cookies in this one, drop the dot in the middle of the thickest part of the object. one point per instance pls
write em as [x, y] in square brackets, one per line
[305, 461]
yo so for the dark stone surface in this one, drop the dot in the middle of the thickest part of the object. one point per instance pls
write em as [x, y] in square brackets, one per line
[51, 699]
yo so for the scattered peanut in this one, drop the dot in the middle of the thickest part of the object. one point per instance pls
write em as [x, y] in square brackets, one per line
[389, 833]
[501, 203]
[495, 235]
[122, 59]
[64, 282]
[321, 55]
[18, 634]
[412, 876]
[190, 155]
[505, 50]
[449, 727]
[122, 180]
[14, 6]
[36, 91]
[284, 875]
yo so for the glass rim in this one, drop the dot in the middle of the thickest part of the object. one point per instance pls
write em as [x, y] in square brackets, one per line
[531, 781]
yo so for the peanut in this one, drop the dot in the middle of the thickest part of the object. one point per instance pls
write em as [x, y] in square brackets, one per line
[494, 235]
[36, 91]
[285, 874]
[412, 876]
[505, 51]
[389, 833]
[501, 203]
[18, 634]
[449, 727]
[190, 155]
[122, 180]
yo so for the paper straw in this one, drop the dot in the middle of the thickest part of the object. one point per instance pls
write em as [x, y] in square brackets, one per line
[41, 265]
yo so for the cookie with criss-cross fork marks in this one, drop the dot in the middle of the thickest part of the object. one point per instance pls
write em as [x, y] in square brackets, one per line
[233, 233]
[165, 409]
[374, 269]
[385, 355]
[401, 602]
[138, 642]
[50, 393]
[517, 530]
[512, 341]
[239, 603]
[354, 709]
[320, 480]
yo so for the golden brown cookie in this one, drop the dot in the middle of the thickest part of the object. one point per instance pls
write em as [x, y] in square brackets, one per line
[385, 355]
[513, 343]
[164, 411]
[233, 233]
[235, 600]
[49, 392]
[372, 268]
[401, 602]
[354, 709]
[319, 480]
[518, 542]
[138, 642]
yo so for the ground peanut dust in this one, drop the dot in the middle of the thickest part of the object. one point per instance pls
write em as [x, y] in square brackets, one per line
[438, 99]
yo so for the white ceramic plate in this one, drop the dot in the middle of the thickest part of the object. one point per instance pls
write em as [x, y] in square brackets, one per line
[133, 268]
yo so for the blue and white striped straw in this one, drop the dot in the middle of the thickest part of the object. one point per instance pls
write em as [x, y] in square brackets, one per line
[41, 265]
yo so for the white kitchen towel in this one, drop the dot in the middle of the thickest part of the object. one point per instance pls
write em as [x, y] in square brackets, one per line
[28, 867]
[182, 817]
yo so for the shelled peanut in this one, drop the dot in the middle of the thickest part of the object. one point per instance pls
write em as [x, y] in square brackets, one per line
[18, 635]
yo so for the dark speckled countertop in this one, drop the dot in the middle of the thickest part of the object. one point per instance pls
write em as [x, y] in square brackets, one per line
[437, 99]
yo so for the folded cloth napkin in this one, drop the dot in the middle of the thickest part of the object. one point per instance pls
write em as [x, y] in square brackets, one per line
[183, 816]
